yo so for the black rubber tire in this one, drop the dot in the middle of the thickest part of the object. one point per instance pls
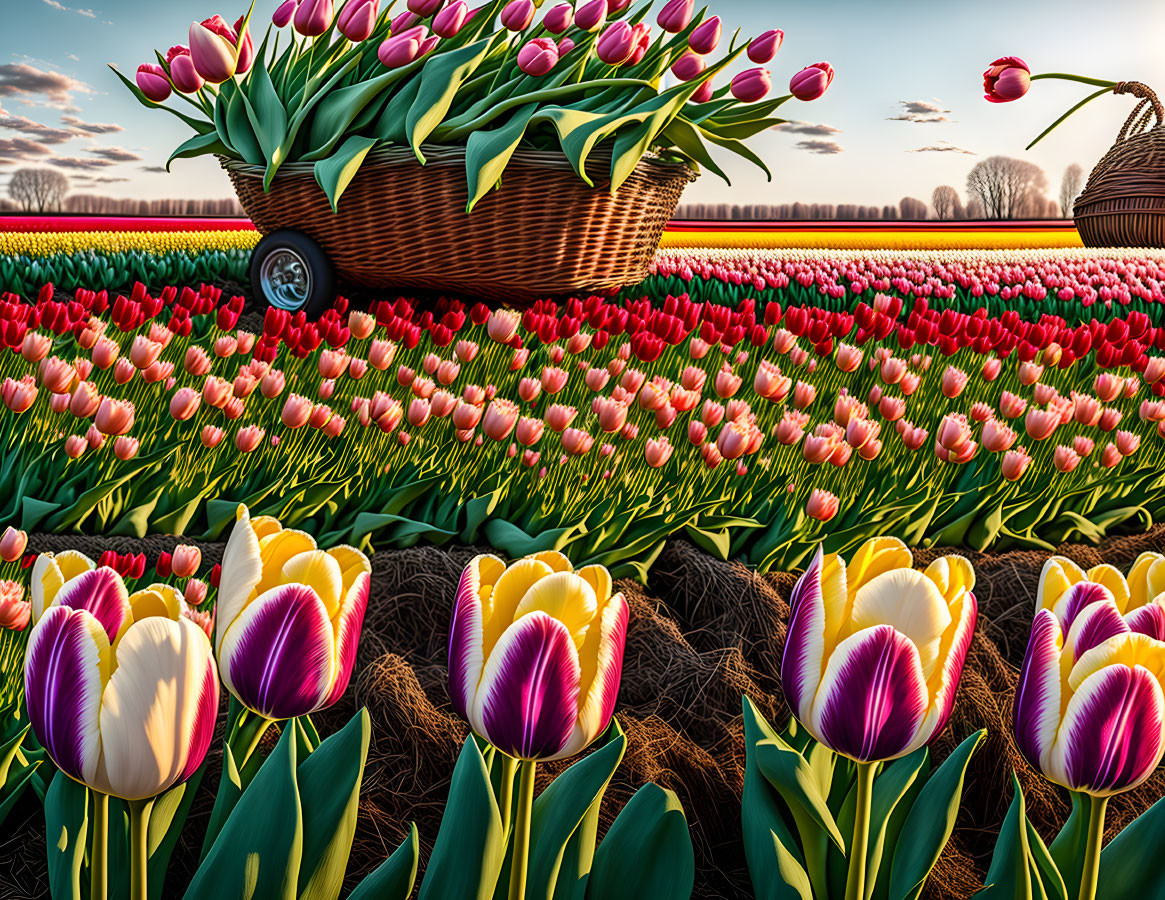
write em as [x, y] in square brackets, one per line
[321, 292]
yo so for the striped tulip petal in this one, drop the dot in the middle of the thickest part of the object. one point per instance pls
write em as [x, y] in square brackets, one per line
[1113, 732]
[102, 593]
[1111, 578]
[320, 572]
[601, 660]
[909, 602]
[242, 569]
[1037, 696]
[1146, 579]
[466, 656]
[347, 625]
[873, 697]
[1078, 597]
[1149, 620]
[528, 700]
[1094, 624]
[804, 641]
[944, 683]
[163, 664]
[49, 573]
[66, 667]
[1058, 574]
[278, 657]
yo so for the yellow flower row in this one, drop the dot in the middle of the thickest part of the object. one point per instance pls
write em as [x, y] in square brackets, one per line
[50, 243]
[873, 239]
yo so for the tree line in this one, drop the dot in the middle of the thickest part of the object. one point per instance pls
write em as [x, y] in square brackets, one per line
[47, 191]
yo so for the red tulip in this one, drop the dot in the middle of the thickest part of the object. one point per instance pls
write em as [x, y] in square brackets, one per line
[1006, 79]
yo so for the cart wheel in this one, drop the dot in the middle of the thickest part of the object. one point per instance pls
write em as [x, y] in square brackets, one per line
[290, 271]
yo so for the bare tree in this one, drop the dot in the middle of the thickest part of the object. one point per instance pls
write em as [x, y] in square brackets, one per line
[946, 202]
[1070, 188]
[38, 190]
[911, 208]
[1004, 185]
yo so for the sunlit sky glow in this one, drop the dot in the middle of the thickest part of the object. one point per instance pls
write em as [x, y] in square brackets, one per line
[60, 104]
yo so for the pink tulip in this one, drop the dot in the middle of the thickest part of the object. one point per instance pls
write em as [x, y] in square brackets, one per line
[811, 82]
[450, 19]
[553, 380]
[75, 446]
[296, 411]
[153, 82]
[591, 16]
[1012, 406]
[357, 19]
[705, 37]
[751, 85]
[1040, 423]
[658, 452]
[419, 411]
[1110, 456]
[1006, 79]
[114, 417]
[12, 544]
[517, 15]
[1030, 373]
[501, 417]
[559, 19]
[313, 17]
[953, 382]
[1109, 419]
[538, 56]
[675, 15]
[1108, 386]
[997, 437]
[1065, 459]
[284, 13]
[822, 505]
[398, 50]
[125, 448]
[1015, 462]
[690, 65]
[559, 417]
[726, 384]
[1127, 442]
[703, 94]
[616, 43]
[529, 431]
[248, 438]
[762, 49]
[991, 369]
[213, 49]
[576, 442]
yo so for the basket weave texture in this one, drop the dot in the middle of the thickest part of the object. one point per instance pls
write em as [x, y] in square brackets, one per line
[1123, 203]
[543, 233]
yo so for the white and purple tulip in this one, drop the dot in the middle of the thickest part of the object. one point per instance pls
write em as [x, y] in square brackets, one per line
[125, 707]
[1090, 704]
[875, 650]
[1142, 593]
[49, 572]
[288, 618]
[536, 653]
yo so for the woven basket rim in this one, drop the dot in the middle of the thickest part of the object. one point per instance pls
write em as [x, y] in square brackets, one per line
[442, 155]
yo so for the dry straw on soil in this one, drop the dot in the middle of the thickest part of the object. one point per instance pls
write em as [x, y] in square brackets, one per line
[701, 634]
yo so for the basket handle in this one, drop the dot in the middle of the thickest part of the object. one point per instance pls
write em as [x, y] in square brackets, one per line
[1148, 107]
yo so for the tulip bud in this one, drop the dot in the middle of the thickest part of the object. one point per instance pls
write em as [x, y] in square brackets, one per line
[212, 50]
[762, 49]
[13, 544]
[284, 13]
[591, 16]
[688, 67]
[450, 19]
[313, 17]
[537, 57]
[751, 85]
[705, 37]
[675, 15]
[517, 15]
[1006, 79]
[559, 18]
[811, 82]
[357, 19]
[153, 82]
[616, 43]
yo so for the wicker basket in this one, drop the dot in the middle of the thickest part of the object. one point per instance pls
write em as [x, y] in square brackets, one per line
[543, 233]
[1123, 204]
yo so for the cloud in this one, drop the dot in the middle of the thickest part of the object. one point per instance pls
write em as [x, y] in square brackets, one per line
[825, 148]
[100, 179]
[87, 13]
[156, 169]
[114, 154]
[921, 111]
[55, 5]
[77, 163]
[16, 149]
[30, 128]
[943, 148]
[809, 128]
[28, 84]
[91, 127]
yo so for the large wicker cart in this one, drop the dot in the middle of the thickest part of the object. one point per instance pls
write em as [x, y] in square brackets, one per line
[544, 232]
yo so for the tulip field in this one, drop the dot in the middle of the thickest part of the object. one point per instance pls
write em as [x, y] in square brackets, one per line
[798, 411]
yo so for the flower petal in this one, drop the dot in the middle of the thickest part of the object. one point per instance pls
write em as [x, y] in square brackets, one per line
[319, 571]
[873, 558]
[500, 605]
[553, 558]
[242, 568]
[953, 575]
[872, 698]
[804, 652]
[1113, 732]
[1148, 619]
[466, 656]
[601, 670]
[49, 572]
[599, 579]
[156, 600]
[153, 706]
[1112, 579]
[1058, 574]
[65, 670]
[1129, 650]
[943, 684]
[565, 597]
[909, 602]
[528, 701]
[102, 593]
[278, 657]
[1146, 579]
[1095, 624]
[1039, 691]
[1079, 597]
[346, 625]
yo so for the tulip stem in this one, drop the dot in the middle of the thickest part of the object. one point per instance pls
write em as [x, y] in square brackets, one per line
[509, 768]
[856, 882]
[1091, 870]
[520, 860]
[99, 860]
[139, 856]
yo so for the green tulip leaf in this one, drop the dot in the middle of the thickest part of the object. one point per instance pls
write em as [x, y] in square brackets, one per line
[335, 173]
[393, 879]
[66, 814]
[471, 847]
[647, 853]
[487, 153]
[931, 820]
[440, 79]
[1130, 866]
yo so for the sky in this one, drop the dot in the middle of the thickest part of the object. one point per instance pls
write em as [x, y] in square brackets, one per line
[904, 114]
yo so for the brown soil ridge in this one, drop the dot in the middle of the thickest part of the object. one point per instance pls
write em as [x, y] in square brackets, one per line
[702, 633]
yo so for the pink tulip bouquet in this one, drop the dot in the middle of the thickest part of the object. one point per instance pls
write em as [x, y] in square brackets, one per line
[327, 86]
